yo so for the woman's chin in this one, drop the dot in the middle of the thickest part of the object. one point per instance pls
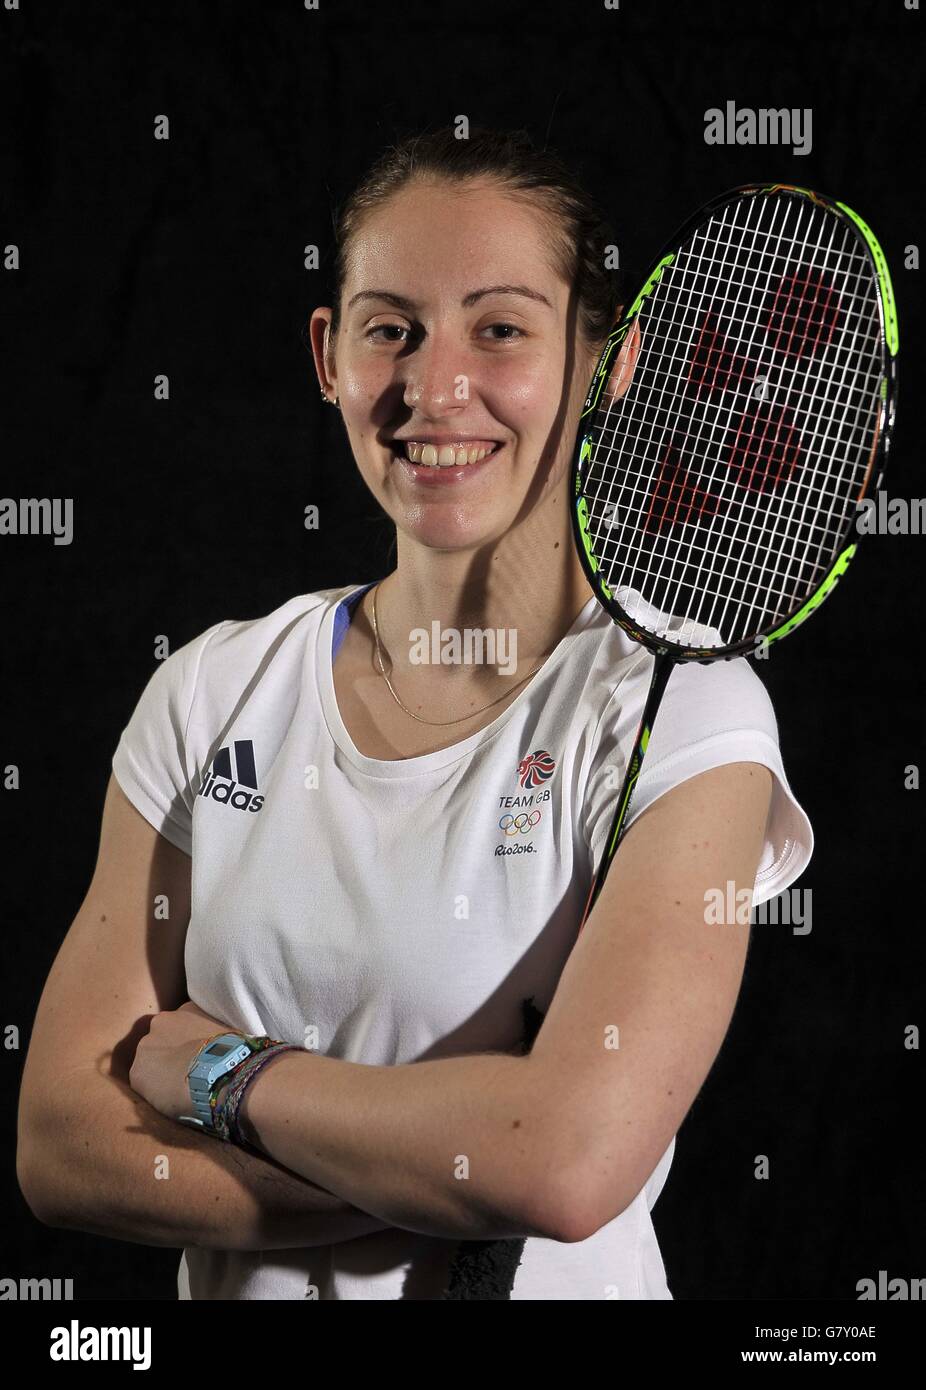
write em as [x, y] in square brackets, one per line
[455, 542]
[451, 533]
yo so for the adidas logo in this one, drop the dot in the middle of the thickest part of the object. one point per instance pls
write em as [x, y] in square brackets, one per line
[221, 782]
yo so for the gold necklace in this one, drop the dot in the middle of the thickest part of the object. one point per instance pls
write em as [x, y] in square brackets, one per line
[437, 723]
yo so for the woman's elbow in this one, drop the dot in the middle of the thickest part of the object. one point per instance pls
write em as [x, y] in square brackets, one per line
[566, 1207]
[31, 1177]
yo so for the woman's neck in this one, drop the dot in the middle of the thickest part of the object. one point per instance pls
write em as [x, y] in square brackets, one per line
[513, 603]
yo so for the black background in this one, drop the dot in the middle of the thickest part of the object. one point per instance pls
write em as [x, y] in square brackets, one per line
[141, 257]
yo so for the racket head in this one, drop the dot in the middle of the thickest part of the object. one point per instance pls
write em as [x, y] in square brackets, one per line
[714, 498]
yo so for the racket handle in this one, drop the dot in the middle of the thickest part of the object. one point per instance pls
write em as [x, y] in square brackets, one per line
[662, 669]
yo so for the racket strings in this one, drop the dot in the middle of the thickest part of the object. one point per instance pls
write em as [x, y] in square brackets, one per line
[719, 486]
[673, 468]
[782, 418]
[670, 480]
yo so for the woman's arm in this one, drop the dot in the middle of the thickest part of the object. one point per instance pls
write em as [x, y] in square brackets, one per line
[462, 1148]
[91, 1154]
[104, 1161]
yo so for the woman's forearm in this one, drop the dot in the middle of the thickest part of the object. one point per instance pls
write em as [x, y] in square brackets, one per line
[455, 1148]
[106, 1162]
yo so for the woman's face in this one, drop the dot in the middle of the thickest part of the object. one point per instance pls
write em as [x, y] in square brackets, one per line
[457, 336]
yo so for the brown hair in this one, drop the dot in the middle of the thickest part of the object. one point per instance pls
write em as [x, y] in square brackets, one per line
[580, 228]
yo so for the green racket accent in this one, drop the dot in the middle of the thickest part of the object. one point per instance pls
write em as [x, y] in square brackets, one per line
[582, 518]
[884, 278]
[637, 763]
[619, 819]
[648, 287]
[816, 599]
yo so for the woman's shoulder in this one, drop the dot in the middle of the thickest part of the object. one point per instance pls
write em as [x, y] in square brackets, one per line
[235, 639]
[292, 610]
[236, 649]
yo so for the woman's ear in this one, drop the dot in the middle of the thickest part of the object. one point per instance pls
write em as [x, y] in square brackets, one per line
[622, 372]
[323, 351]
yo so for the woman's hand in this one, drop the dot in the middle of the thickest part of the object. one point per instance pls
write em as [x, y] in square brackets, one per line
[164, 1056]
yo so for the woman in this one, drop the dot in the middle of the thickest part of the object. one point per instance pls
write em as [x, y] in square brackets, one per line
[392, 850]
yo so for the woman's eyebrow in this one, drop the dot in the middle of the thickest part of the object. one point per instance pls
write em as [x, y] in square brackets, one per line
[400, 302]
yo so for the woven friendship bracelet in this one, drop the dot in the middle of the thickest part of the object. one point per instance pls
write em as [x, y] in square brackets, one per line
[243, 1078]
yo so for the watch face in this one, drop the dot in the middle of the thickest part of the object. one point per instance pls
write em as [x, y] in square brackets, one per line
[219, 1049]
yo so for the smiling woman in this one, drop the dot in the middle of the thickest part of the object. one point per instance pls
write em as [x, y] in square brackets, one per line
[460, 379]
[479, 1106]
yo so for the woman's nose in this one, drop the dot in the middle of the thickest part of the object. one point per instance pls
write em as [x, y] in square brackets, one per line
[437, 378]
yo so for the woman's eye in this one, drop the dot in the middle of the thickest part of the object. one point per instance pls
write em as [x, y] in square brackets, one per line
[387, 328]
[511, 328]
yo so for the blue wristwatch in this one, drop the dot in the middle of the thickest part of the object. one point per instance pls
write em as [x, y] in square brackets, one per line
[220, 1056]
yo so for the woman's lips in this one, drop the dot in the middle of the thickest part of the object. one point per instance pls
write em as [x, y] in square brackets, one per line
[432, 475]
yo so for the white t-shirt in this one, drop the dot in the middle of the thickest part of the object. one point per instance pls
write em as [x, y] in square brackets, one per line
[407, 908]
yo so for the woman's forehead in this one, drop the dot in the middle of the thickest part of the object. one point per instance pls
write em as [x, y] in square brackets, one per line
[440, 236]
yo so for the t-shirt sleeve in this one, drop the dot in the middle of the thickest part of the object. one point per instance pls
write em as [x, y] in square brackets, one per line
[151, 762]
[710, 715]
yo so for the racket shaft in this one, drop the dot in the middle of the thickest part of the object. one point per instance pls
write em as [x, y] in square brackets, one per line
[662, 669]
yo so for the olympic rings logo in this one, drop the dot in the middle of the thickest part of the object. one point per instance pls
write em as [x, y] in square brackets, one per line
[519, 824]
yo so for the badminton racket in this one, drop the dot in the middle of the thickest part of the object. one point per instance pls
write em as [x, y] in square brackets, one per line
[716, 478]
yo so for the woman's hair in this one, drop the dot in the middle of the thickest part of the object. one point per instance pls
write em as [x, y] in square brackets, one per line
[580, 231]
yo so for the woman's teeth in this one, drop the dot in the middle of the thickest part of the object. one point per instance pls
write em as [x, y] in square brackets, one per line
[447, 456]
